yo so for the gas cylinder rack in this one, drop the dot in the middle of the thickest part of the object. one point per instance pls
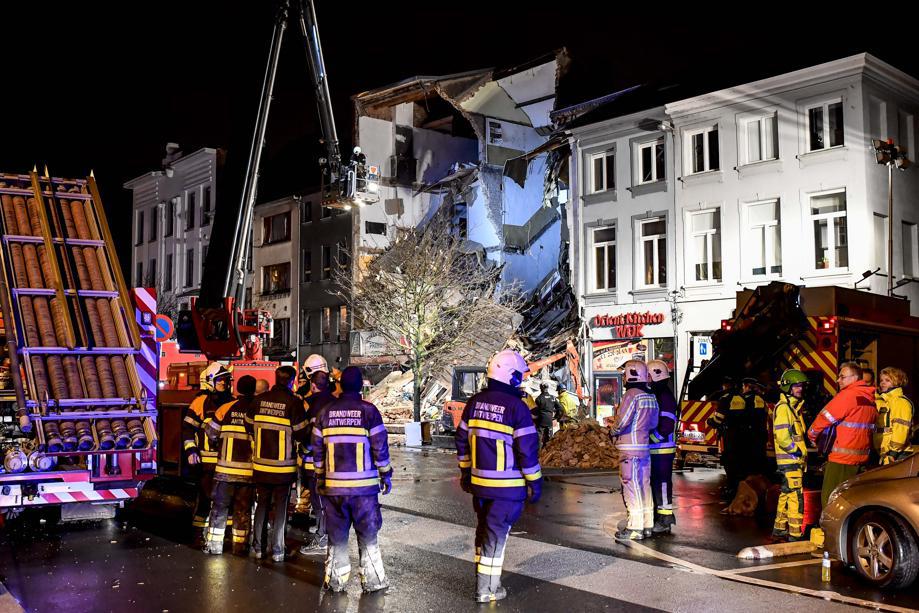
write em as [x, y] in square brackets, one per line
[73, 344]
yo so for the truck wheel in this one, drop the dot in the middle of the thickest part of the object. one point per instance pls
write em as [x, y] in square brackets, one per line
[883, 550]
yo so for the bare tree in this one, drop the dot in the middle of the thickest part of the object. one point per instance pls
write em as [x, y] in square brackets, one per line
[431, 298]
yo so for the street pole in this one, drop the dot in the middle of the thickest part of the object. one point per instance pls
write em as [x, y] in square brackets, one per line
[890, 228]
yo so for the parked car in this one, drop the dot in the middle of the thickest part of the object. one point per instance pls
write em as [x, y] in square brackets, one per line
[871, 523]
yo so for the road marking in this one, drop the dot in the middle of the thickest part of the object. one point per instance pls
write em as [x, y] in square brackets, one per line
[756, 569]
[732, 576]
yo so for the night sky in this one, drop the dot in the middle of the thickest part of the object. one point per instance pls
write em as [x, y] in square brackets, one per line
[105, 85]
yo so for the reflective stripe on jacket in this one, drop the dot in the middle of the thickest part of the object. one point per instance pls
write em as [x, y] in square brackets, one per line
[635, 419]
[788, 431]
[894, 423]
[233, 442]
[276, 422]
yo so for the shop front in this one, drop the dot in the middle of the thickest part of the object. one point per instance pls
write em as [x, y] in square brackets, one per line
[619, 333]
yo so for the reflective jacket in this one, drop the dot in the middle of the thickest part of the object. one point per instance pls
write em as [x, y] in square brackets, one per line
[894, 424]
[350, 447]
[227, 432]
[788, 431]
[497, 441]
[198, 414]
[569, 404]
[636, 418]
[314, 404]
[276, 422]
[662, 437]
[854, 413]
[732, 413]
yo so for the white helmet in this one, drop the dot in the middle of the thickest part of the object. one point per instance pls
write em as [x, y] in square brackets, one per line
[635, 371]
[508, 367]
[357, 151]
[314, 363]
[658, 371]
[214, 372]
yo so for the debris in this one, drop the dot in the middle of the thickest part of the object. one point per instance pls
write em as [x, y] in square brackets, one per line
[393, 396]
[586, 446]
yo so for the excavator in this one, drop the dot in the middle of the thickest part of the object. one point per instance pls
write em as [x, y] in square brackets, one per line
[215, 325]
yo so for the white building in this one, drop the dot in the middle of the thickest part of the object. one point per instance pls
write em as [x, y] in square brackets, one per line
[275, 272]
[775, 180]
[172, 212]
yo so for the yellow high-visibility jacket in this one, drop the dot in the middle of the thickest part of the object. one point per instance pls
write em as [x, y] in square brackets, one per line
[894, 425]
[788, 431]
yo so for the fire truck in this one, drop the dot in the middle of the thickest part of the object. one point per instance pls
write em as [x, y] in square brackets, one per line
[781, 326]
[78, 374]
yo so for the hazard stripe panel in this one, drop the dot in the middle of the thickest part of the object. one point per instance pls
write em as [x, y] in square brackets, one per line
[84, 496]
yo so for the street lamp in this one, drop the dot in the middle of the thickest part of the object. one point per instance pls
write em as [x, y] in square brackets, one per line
[890, 155]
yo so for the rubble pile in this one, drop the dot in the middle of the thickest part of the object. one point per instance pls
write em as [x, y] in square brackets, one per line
[393, 397]
[586, 446]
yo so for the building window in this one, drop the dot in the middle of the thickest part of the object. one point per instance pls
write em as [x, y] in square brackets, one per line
[326, 261]
[705, 242]
[326, 325]
[306, 336]
[139, 275]
[877, 118]
[824, 125]
[327, 212]
[169, 273]
[375, 227]
[344, 324]
[906, 134]
[191, 210]
[190, 268]
[306, 216]
[831, 242]
[276, 228]
[280, 336]
[604, 258]
[151, 274]
[602, 172]
[247, 298]
[910, 250]
[203, 259]
[760, 136]
[701, 150]
[276, 278]
[207, 206]
[154, 225]
[139, 228]
[307, 266]
[881, 235]
[764, 238]
[652, 252]
[171, 208]
[650, 161]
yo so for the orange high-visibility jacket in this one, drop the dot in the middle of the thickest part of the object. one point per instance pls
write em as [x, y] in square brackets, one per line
[854, 413]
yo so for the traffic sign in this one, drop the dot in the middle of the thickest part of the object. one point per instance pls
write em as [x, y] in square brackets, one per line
[164, 328]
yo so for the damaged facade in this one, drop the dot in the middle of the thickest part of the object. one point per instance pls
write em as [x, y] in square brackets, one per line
[472, 148]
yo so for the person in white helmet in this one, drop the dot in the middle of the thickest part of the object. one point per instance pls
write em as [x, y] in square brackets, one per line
[635, 419]
[312, 364]
[663, 447]
[497, 448]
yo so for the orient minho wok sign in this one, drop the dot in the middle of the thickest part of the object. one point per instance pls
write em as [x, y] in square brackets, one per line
[628, 325]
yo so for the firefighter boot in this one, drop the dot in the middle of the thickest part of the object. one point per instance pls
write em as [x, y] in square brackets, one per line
[337, 568]
[489, 588]
[214, 543]
[373, 576]
[627, 534]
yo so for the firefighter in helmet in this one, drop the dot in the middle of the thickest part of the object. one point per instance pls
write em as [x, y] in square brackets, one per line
[791, 455]
[320, 395]
[732, 420]
[631, 431]
[662, 447]
[498, 452]
[216, 390]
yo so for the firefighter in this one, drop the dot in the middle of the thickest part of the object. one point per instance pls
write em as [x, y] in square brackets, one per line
[569, 403]
[313, 363]
[351, 456]
[662, 447]
[631, 430]
[320, 397]
[276, 422]
[791, 455]
[547, 409]
[497, 448]
[216, 382]
[233, 475]
[895, 416]
[754, 453]
[732, 421]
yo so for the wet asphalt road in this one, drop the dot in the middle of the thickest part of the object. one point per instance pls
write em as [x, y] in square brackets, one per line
[559, 557]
